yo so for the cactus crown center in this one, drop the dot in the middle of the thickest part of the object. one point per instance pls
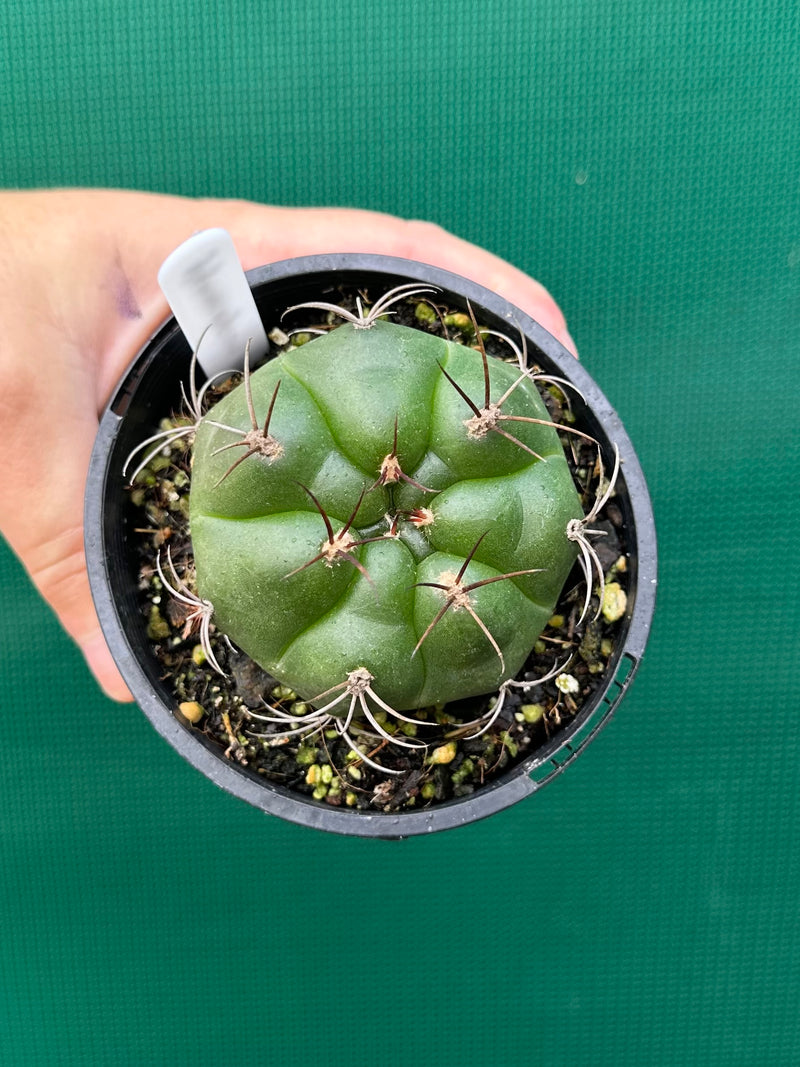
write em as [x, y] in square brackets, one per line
[391, 471]
[421, 517]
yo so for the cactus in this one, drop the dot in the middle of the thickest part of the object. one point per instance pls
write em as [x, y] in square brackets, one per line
[382, 519]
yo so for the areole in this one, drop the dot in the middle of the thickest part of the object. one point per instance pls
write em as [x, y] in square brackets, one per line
[153, 384]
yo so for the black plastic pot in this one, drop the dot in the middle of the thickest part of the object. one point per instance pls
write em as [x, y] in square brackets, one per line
[151, 387]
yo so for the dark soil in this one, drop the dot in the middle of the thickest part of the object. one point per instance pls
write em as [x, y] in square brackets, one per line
[455, 761]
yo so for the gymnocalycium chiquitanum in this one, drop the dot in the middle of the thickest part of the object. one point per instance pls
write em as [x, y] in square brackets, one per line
[382, 519]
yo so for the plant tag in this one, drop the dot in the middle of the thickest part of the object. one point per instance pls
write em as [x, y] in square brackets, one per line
[208, 293]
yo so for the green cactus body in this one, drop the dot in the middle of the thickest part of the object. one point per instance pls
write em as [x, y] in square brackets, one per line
[341, 402]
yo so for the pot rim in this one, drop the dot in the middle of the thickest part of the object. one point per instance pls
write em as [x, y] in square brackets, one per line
[102, 537]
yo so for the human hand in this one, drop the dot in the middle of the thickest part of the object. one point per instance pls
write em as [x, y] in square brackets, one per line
[79, 297]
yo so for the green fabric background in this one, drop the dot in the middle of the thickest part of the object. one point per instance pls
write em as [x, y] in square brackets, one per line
[643, 160]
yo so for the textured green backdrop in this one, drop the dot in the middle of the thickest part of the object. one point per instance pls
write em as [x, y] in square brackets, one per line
[643, 160]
